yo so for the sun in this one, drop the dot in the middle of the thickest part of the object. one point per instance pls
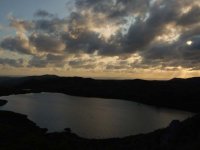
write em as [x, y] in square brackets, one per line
[189, 43]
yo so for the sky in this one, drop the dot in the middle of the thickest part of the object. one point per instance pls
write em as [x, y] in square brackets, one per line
[148, 39]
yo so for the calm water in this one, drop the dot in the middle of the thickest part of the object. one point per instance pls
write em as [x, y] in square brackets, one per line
[91, 117]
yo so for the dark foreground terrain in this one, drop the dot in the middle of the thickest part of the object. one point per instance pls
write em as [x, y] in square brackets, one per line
[19, 133]
[2, 102]
[176, 93]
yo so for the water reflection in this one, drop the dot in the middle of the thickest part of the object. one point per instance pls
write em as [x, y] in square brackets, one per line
[91, 117]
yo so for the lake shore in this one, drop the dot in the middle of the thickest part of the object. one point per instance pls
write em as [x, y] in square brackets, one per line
[3, 102]
[91, 117]
[179, 94]
[18, 132]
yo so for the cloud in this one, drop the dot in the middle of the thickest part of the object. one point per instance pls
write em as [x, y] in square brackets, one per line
[175, 54]
[43, 13]
[113, 10]
[81, 64]
[154, 30]
[53, 25]
[20, 25]
[84, 42]
[46, 43]
[48, 60]
[144, 31]
[16, 44]
[191, 17]
[11, 62]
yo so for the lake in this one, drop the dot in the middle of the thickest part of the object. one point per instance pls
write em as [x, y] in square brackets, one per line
[91, 117]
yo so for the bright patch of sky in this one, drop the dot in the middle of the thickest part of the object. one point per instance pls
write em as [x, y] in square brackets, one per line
[26, 8]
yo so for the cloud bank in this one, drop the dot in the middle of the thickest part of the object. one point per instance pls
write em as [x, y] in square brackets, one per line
[110, 35]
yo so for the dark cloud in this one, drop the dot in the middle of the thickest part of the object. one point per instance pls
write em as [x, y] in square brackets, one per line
[115, 67]
[47, 43]
[38, 62]
[44, 61]
[43, 13]
[81, 64]
[195, 43]
[175, 54]
[113, 9]
[143, 32]
[138, 25]
[11, 62]
[85, 41]
[55, 58]
[190, 18]
[52, 26]
[15, 44]
[161, 52]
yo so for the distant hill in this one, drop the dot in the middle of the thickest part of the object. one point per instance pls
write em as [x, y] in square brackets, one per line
[176, 93]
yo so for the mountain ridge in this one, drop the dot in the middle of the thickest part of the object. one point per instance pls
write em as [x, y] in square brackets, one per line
[175, 93]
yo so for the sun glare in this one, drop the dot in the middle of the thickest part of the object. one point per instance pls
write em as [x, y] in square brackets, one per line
[189, 43]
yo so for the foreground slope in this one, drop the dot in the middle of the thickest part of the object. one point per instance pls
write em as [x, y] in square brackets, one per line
[19, 133]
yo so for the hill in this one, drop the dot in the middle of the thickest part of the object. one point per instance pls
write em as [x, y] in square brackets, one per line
[176, 93]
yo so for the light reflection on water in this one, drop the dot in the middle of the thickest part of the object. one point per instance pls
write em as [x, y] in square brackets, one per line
[91, 117]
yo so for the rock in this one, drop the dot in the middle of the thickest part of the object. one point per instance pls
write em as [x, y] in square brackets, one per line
[174, 124]
[68, 130]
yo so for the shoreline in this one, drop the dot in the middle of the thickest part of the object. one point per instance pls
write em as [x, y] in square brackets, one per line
[135, 103]
[17, 131]
[3, 102]
[181, 94]
[159, 106]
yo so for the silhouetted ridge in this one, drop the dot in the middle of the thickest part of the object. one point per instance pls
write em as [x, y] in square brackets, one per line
[176, 93]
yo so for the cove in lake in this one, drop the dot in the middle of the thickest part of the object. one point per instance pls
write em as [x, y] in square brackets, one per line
[91, 117]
